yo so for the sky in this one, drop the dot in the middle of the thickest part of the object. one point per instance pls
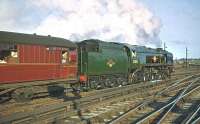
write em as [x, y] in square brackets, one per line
[180, 25]
[137, 22]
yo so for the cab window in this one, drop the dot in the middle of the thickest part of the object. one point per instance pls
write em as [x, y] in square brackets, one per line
[133, 53]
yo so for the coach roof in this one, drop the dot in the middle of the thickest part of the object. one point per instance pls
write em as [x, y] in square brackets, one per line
[20, 38]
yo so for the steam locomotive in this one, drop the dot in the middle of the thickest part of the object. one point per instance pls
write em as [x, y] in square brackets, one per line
[33, 64]
[108, 64]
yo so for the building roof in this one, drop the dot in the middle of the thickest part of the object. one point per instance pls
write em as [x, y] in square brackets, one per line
[20, 38]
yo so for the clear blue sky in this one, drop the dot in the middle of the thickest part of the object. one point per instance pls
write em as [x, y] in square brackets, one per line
[180, 24]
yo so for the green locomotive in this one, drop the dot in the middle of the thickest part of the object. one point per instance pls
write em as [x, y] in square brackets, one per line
[107, 64]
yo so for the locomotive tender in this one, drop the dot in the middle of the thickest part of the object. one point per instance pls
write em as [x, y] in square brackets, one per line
[100, 64]
[32, 63]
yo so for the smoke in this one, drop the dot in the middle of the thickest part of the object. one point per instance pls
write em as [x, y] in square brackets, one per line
[126, 21]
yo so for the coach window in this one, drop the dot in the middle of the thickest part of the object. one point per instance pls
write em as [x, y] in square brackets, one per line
[8, 53]
[51, 49]
[65, 56]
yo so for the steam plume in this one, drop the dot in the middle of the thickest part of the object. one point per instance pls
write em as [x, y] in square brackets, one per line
[111, 20]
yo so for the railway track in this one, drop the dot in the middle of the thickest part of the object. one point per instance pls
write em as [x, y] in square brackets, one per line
[69, 106]
[76, 110]
[111, 110]
[163, 109]
[13, 105]
[180, 72]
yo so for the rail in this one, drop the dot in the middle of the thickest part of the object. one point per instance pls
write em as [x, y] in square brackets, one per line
[176, 101]
[171, 103]
[68, 106]
[175, 84]
[193, 115]
[120, 117]
[195, 121]
[116, 120]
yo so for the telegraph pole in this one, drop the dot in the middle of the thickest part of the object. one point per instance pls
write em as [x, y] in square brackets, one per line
[165, 46]
[186, 57]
